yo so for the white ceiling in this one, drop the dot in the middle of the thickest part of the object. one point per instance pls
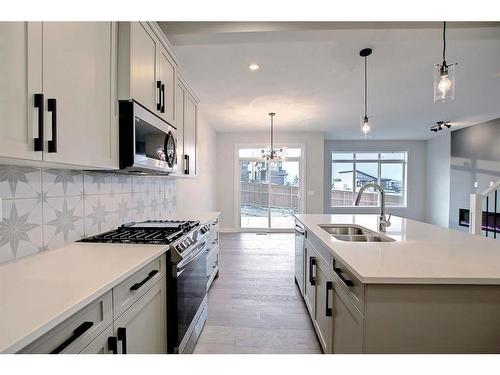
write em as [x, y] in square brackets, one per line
[311, 75]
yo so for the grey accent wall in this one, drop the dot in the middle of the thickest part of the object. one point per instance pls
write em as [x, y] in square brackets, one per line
[416, 180]
[48, 208]
[475, 157]
[438, 180]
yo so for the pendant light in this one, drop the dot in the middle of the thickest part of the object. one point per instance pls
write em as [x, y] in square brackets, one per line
[444, 77]
[272, 153]
[365, 126]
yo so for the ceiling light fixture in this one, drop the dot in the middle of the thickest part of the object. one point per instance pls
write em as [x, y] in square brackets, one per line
[272, 153]
[253, 67]
[365, 126]
[444, 77]
[439, 126]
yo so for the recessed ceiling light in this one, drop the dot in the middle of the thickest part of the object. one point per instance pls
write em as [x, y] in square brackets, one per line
[253, 67]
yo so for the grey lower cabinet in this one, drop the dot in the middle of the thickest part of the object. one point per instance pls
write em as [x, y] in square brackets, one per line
[323, 316]
[142, 328]
[310, 281]
[347, 325]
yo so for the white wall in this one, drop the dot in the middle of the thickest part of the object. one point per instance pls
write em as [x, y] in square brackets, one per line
[199, 194]
[416, 179]
[438, 180]
[314, 142]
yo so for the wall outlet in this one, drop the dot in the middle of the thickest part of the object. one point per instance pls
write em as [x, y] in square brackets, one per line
[311, 192]
[476, 184]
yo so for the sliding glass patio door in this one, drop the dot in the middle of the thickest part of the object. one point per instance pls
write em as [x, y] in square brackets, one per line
[269, 190]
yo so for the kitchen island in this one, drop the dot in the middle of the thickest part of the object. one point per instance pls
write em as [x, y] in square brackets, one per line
[421, 289]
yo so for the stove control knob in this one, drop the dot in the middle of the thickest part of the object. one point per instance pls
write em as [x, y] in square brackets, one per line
[180, 247]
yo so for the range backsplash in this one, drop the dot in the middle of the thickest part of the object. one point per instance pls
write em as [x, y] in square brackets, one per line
[48, 208]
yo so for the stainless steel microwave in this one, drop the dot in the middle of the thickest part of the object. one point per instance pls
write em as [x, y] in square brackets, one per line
[147, 143]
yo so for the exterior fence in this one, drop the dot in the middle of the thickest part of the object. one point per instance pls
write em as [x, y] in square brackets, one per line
[256, 194]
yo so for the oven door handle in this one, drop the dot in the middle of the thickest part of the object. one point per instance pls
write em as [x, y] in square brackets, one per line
[182, 266]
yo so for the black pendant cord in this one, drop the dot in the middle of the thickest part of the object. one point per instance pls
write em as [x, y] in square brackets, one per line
[444, 42]
[366, 91]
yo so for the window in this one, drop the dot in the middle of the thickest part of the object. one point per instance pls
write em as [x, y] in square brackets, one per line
[352, 170]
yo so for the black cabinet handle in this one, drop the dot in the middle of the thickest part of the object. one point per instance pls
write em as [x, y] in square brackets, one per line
[38, 142]
[329, 286]
[80, 330]
[52, 107]
[312, 263]
[162, 110]
[186, 163]
[113, 344]
[158, 102]
[139, 284]
[339, 273]
[122, 336]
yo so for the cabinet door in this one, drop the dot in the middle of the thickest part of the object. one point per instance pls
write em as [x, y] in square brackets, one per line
[79, 73]
[347, 324]
[100, 345]
[323, 319]
[166, 75]
[142, 328]
[310, 282]
[179, 123]
[144, 47]
[190, 134]
[20, 80]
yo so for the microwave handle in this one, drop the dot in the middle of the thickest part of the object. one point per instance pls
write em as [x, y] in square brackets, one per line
[186, 164]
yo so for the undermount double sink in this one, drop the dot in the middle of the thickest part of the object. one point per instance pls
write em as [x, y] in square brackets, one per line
[354, 233]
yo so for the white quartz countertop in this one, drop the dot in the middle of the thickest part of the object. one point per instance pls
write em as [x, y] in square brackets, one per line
[40, 291]
[421, 253]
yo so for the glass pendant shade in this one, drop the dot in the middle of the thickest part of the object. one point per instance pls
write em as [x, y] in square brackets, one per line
[444, 83]
[365, 126]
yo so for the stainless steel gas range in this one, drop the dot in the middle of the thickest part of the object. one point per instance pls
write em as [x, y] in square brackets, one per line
[186, 273]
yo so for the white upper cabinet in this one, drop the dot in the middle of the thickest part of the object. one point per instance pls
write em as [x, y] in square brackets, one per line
[167, 78]
[79, 86]
[58, 93]
[143, 58]
[20, 80]
[190, 130]
[146, 69]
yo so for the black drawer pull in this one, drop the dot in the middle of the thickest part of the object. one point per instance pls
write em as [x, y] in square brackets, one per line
[158, 103]
[122, 336]
[339, 273]
[113, 344]
[38, 142]
[139, 284]
[329, 286]
[52, 107]
[312, 263]
[80, 330]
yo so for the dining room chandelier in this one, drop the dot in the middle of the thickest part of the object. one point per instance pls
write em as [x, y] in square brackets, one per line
[272, 153]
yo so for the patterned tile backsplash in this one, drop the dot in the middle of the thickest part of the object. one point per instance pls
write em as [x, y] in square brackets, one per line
[48, 208]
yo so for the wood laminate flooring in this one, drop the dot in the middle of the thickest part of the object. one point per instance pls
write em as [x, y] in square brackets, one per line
[255, 306]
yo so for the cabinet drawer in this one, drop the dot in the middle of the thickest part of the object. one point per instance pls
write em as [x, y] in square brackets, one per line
[75, 333]
[131, 289]
[351, 286]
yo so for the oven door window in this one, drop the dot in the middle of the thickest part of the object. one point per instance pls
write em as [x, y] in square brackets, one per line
[150, 144]
[191, 290]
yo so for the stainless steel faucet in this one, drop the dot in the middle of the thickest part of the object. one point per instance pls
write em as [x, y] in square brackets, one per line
[383, 221]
